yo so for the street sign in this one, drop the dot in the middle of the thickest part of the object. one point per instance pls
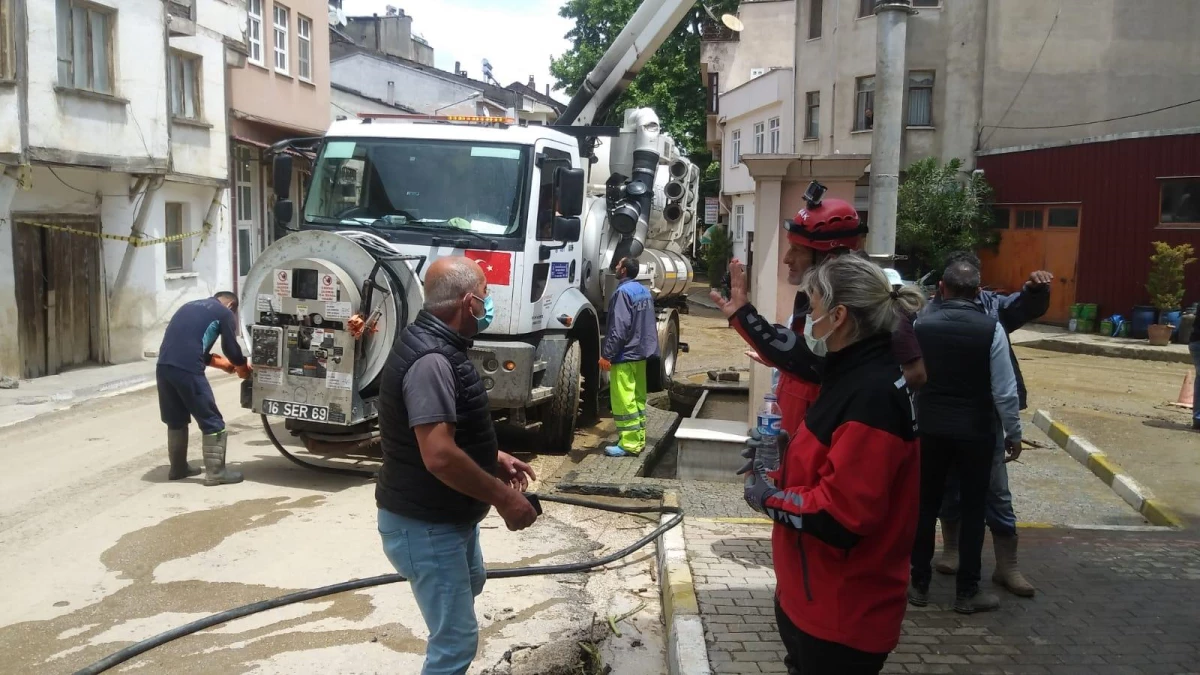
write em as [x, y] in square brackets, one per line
[711, 211]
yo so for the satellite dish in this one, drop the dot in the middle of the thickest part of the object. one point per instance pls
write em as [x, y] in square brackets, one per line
[733, 23]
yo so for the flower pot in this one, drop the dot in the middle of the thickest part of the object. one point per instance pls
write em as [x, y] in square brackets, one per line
[1160, 334]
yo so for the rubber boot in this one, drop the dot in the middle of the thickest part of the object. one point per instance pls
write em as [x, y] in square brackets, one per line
[214, 461]
[948, 563]
[177, 446]
[1007, 574]
[978, 601]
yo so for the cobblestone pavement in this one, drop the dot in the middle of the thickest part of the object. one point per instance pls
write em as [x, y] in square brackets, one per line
[1109, 603]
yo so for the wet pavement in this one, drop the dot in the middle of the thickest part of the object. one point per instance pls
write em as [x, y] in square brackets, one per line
[1108, 602]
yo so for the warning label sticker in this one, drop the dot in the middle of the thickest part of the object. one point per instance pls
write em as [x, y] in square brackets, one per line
[283, 283]
[327, 289]
[269, 376]
[339, 380]
[337, 311]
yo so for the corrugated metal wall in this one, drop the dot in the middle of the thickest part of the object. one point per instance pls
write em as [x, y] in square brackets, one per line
[1118, 185]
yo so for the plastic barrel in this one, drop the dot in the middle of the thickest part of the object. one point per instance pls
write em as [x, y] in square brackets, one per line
[1086, 326]
[1143, 316]
[1076, 310]
[1088, 311]
[1172, 317]
[1106, 327]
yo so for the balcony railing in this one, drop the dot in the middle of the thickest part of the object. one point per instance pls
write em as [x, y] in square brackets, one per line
[711, 31]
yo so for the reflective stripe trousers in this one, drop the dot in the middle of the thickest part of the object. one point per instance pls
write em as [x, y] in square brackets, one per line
[627, 391]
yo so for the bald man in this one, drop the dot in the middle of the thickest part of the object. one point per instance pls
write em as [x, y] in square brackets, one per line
[442, 469]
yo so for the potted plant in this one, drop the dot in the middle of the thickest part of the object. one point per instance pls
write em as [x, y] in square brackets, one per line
[1165, 285]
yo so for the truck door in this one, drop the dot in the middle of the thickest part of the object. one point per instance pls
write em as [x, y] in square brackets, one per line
[554, 265]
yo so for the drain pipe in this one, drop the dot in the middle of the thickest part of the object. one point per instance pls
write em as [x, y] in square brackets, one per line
[891, 38]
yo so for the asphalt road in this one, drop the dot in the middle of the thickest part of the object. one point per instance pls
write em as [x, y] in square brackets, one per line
[100, 550]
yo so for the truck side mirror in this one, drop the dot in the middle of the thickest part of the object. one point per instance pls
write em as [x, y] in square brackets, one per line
[281, 172]
[566, 229]
[283, 213]
[569, 187]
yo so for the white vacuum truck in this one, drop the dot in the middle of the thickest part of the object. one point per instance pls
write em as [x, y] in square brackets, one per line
[546, 211]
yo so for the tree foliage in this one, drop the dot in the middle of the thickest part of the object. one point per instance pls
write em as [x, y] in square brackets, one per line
[1165, 284]
[670, 82]
[717, 254]
[940, 211]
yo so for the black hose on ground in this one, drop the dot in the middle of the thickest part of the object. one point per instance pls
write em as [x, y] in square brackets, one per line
[323, 468]
[134, 650]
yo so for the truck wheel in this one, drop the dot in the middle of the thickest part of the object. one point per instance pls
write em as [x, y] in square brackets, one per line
[561, 412]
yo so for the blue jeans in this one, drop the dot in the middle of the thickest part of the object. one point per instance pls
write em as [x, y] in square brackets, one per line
[998, 510]
[444, 567]
[1195, 349]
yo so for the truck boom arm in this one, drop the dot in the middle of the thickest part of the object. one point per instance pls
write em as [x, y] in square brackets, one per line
[642, 36]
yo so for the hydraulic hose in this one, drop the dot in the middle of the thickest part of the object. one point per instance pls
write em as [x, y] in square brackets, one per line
[146, 645]
[323, 468]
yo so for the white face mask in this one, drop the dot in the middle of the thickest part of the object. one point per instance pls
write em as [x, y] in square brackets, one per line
[816, 345]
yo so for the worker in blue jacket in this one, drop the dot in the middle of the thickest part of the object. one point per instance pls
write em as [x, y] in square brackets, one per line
[632, 338]
[183, 389]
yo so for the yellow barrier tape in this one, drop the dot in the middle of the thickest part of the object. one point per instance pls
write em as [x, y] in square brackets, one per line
[137, 242]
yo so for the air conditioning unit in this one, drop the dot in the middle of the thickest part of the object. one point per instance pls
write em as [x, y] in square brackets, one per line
[757, 72]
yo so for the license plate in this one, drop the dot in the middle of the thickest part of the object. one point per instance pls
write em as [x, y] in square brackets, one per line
[296, 411]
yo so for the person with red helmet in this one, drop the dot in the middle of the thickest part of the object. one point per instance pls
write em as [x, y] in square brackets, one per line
[823, 228]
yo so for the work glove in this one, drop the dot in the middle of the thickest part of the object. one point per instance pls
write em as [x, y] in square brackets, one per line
[243, 371]
[220, 363]
[605, 365]
[758, 454]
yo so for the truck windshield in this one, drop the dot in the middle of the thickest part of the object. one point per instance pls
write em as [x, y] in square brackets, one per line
[414, 184]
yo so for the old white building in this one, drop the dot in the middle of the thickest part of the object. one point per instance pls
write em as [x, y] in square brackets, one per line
[112, 135]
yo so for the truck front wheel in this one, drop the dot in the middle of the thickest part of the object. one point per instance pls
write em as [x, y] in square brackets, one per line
[561, 412]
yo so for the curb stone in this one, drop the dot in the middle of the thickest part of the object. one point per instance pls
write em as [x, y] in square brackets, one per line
[1107, 470]
[687, 652]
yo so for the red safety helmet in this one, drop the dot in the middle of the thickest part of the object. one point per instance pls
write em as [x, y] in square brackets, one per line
[825, 225]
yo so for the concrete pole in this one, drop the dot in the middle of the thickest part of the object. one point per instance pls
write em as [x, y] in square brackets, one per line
[891, 26]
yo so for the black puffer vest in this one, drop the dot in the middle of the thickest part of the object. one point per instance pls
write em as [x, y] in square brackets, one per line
[956, 343]
[405, 486]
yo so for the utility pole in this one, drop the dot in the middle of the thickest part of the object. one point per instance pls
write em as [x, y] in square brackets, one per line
[891, 37]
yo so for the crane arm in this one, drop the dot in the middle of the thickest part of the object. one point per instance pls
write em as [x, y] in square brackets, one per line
[646, 31]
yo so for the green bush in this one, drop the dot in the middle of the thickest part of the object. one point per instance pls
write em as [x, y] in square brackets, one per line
[940, 211]
[1165, 284]
[717, 253]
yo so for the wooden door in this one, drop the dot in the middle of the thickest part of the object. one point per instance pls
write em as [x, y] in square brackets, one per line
[57, 291]
[29, 270]
[1061, 259]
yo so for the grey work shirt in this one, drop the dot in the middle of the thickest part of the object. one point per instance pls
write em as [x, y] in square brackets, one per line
[1004, 386]
[429, 391]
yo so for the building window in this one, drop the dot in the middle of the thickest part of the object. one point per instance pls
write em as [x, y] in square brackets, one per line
[85, 46]
[8, 58]
[186, 74]
[760, 138]
[714, 93]
[1064, 217]
[815, 9]
[739, 222]
[1000, 218]
[1029, 219]
[281, 39]
[866, 8]
[920, 98]
[864, 103]
[773, 134]
[304, 47]
[254, 13]
[812, 114]
[1180, 202]
[243, 177]
[174, 228]
[735, 145]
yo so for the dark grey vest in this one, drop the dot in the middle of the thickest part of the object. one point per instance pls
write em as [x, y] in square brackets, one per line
[956, 343]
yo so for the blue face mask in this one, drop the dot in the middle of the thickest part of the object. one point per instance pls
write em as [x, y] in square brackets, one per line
[489, 313]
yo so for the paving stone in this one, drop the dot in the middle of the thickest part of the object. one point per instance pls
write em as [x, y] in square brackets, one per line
[1108, 603]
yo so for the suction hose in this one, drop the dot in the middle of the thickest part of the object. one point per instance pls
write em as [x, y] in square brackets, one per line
[146, 645]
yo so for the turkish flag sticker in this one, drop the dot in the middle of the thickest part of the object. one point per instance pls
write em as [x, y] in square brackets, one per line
[497, 266]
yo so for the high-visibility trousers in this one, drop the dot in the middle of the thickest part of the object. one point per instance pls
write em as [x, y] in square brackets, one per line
[627, 391]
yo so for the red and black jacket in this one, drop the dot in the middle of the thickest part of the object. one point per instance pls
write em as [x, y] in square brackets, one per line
[847, 513]
[783, 348]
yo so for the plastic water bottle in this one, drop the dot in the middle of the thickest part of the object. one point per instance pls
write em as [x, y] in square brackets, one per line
[770, 420]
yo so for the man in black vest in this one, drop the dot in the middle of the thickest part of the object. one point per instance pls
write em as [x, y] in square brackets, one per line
[442, 469]
[969, 398]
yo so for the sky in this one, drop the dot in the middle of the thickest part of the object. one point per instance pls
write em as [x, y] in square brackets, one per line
[518, 37]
